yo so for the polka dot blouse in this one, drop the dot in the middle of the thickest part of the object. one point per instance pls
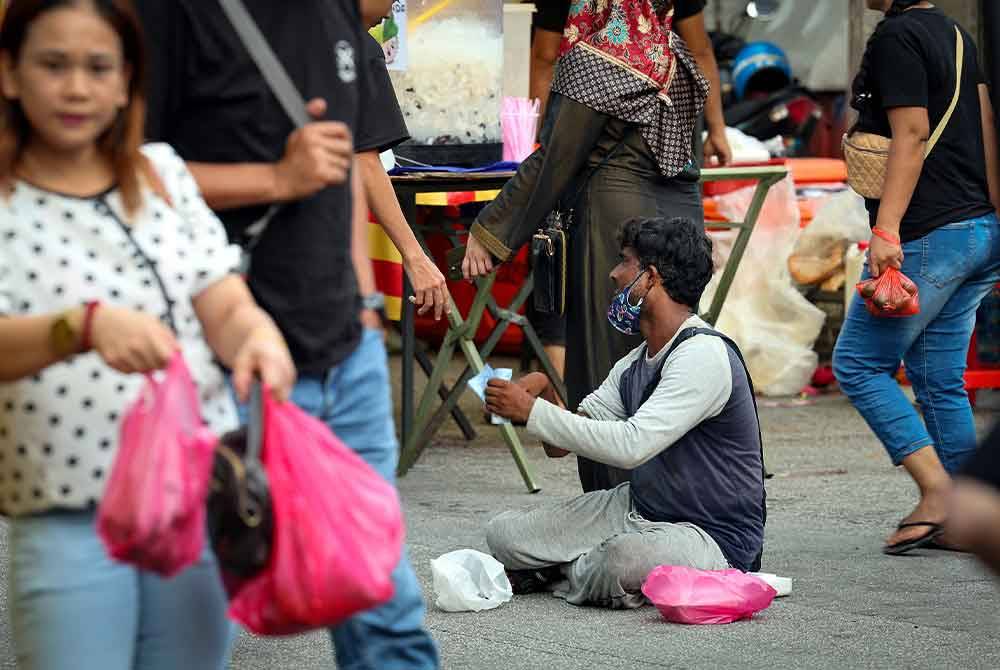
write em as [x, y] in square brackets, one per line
[59, 429]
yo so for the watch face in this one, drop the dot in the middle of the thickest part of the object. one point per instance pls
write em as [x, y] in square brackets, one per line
[63, 337]
[375, 301]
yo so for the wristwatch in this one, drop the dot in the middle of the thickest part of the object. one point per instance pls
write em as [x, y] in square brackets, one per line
[66, 340]
[375, 301]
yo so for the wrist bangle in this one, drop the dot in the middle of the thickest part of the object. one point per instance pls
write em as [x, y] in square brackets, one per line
[88, 323]
[887, 236]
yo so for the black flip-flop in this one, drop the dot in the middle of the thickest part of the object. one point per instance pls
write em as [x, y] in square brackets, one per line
[900, 548]
[934, 544]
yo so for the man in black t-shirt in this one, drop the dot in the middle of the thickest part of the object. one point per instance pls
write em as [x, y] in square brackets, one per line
[381, 128]
[310, 268]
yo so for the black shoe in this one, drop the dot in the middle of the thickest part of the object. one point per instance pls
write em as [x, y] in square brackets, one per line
[534, 581]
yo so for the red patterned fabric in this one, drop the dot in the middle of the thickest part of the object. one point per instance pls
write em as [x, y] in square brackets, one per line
[632, 33]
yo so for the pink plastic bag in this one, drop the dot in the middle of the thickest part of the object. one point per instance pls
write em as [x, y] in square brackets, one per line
[152, 514]
[338, 530]
[692, 596]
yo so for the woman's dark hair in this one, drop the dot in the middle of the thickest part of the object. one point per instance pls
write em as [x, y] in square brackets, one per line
[120, 143]
[860, 93]
[680, 251]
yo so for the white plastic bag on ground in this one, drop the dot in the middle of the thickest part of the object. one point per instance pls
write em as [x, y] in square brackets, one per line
[783, 585]
[774, 325]
[469, 581]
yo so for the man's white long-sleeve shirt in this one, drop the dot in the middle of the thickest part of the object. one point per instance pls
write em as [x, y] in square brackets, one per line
[695, 385]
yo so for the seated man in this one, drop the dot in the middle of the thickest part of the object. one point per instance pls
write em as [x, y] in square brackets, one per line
[678, 410]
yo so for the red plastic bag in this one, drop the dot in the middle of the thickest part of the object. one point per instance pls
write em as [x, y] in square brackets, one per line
[890, 294]
[338, 530]
[152, 514]
[692, 596]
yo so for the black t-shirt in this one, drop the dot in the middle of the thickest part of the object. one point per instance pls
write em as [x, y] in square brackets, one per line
[912, 64]
[382, 125]
[684, 9]
[208, 99]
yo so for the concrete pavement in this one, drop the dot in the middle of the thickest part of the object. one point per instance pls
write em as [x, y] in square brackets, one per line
[832, 502]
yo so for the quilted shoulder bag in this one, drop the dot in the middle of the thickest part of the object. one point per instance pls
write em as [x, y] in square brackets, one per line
[867, 154]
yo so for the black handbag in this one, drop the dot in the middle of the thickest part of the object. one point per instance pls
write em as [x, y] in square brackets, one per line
[549, 249]
[548, 262]
[240, 518]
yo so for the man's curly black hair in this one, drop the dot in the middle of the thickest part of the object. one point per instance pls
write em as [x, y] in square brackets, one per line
[680, 251]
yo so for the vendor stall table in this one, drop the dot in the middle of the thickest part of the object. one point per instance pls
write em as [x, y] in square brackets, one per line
[419, 427]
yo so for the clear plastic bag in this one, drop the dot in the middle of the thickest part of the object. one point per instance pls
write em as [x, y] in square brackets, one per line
[469, 581]
[152, 514]
[338, 531]
[772, 322]
[819, 252]
[692, 596]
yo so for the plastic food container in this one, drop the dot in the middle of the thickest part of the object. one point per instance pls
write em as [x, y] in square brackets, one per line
[452, 85]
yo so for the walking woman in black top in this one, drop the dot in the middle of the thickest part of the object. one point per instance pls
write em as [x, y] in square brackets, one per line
[920, 85]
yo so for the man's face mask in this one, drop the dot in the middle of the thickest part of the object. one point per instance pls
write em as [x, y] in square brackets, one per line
[622, 314]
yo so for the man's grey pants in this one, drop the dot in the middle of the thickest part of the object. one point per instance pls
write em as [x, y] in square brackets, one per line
[606, 549]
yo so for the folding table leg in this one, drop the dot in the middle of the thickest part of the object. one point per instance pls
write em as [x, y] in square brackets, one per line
[444, 393]
[543, 359]
[408, 202]
[506, 430]
[413, 446]
[458, 331]
[503, 320]
[739, 246]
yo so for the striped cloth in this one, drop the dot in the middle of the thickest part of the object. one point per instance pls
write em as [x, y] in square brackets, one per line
[387, 262]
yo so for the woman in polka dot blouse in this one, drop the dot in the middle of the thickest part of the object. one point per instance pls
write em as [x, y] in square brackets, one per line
[110, 261]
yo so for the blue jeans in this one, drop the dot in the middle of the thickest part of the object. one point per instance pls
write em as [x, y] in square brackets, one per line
[354, 399]
[74, 607]
[954, 268]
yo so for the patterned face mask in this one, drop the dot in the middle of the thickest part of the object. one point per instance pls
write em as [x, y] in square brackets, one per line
[622, 314]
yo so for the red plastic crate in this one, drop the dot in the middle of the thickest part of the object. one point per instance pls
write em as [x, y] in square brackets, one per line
[510, 277]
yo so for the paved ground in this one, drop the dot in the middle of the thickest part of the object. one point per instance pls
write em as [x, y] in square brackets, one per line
[831, 504]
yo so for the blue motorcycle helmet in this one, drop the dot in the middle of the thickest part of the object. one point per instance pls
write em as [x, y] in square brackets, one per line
[760, 67]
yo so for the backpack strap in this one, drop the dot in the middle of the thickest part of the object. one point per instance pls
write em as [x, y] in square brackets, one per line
[681, 337]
